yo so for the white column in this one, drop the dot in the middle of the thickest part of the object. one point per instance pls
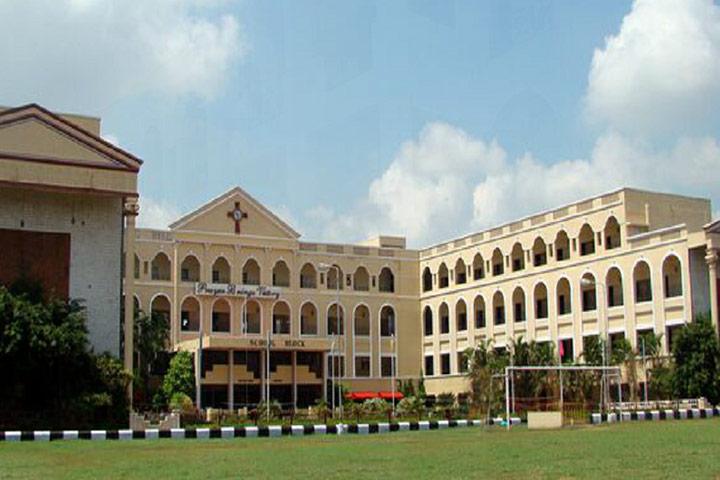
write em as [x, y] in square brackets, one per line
[293, 356]
[712, 261]
[130, 211]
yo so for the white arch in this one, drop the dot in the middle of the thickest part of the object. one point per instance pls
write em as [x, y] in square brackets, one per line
[358, 305]
[243, 307]
[201, 311]
[643, 259]
[317, 318]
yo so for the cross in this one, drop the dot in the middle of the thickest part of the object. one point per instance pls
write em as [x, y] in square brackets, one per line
[237, 215]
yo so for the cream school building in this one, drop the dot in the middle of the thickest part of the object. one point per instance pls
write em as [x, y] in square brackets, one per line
[231, 275]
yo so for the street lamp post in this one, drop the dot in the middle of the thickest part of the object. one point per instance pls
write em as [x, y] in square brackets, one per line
[325, 268]
[586, 282]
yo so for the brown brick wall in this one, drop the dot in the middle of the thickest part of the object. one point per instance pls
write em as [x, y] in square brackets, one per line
[38, 256]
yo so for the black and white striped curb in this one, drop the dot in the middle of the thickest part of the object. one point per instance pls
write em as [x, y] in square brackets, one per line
[241, 432]
[668, 414]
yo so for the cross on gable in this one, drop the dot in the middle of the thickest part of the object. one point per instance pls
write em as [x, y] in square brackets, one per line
[237, 215]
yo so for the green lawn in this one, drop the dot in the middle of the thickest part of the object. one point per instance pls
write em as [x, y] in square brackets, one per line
[668, 449]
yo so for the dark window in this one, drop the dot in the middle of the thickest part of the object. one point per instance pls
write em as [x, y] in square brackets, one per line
[499, 315]
[565, 347]
[519, 312]
[387, 365]
[541, 308]
[184, 275]
[478, 274]
[561, 254]
[540, 259]
[589, 300]
[362, 366]
[587, 248]
[444, 324]
[336, 367]
[462, 322]
[428, 321]
[220, 322]
[563, 307]
[429, 365]
[517, 264]
[480, 318]
[643, 291]
[498, 269]
[445, 364]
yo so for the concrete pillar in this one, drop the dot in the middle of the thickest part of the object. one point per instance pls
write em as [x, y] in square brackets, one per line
[712, 261]
[130, 211]
[262, 374]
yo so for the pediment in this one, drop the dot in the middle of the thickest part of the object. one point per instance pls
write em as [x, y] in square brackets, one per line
[32, 133]
[235, 212]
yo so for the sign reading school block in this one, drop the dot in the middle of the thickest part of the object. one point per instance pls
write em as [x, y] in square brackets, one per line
[236, 289]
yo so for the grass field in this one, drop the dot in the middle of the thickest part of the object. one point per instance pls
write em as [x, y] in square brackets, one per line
[671, 449]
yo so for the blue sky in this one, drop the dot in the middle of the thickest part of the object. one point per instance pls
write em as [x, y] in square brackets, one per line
[323, 109]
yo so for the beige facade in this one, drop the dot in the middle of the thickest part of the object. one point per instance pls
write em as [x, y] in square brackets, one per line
[237, 285]
[231, 275]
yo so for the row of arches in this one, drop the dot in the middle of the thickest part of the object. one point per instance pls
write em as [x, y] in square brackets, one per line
[251, 317]
[588, 285]
[190, 271]
[520, 256]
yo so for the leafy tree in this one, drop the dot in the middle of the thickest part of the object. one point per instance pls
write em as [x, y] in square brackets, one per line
[323, 409]
[180, 377]
[593, 350]
[697, 361]
[483, 363]
[412, 406]
[421, 392]
[50, 375]
[152, 333]
[531, 384]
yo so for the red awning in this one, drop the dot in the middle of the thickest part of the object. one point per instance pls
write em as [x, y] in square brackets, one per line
[389, 395]
[369, 395]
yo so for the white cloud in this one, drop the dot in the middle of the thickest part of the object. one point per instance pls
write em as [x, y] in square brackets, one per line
[76, 54]
[154, 214]
[424, 192]
[661, 72]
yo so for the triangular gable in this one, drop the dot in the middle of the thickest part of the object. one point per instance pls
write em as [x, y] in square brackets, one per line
[32, 133]
[235, 209]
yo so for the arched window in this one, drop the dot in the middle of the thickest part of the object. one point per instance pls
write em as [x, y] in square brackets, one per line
[672, 277]
[190, 315]
[539, 252]
[361, 321]
[461, 316]
[190, 269]
[281, 318]
[160, 267]
[336, 320]
[479, 306]
[643, 285]
[478, 267]
[498, 263]
[541, 301]
[160, 306]
[586, 238]
[444, 319]
[613, 280]
[308, 276]
[518, 258]
[386, 280]
[564, 301]
[498, 308]
[562, 246]
[589, 292]
[281, 274]
[251, 273]
[443, 276]
[387, 321]
[612, 233]
[253, 317]
[335, 277]
[221, 271]
[308, 319]
[221, 316]
[519, 305]
[427, 279]
[427, 321]
[361, 280]
[460, 272]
